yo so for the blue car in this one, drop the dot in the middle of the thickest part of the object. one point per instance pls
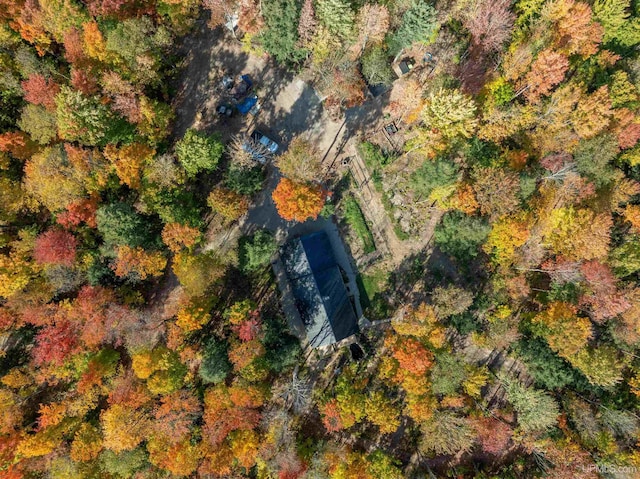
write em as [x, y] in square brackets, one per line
[248, 105]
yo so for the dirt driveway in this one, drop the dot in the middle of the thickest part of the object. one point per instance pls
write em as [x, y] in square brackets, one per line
[289, 106]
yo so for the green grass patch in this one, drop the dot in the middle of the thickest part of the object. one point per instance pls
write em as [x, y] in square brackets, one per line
[355, 218]
[374, 282]
[372, 296]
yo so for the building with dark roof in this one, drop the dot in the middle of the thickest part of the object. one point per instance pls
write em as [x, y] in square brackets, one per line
[319, 290]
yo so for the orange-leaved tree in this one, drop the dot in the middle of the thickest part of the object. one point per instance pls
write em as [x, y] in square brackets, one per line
[136, 263]
[178, 236]
[298, 201]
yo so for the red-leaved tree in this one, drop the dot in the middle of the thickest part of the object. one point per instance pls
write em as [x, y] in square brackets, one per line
[547, 71]
[79, 211]
[40, 91]
[494, 435]
[175, 415]
[55, 342]
[602, 298]
[55, 247]
[17, 144]
[119, 9]
[331, 416]
[73, 46]
[84, 81]
[249, 330]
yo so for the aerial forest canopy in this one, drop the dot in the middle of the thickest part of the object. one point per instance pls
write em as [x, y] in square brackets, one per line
[476, 164]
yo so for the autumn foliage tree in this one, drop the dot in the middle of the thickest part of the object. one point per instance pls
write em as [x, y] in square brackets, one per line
[123, 427]
[578, 233]
[494, 435]
[178, 236]
[40, 91]
[55, 342]
[138, 264]
[547, 71]
[55, 247]
[298, 201]
[17, 144]
[565, 331]
[307, 23]
[602, 296]
[301, 162]
[373, 24]
[227, 203]
[79, 211]
[490, 23]
[129, 161]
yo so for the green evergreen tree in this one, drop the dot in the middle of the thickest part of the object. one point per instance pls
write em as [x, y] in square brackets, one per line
[460, 235]
[283, 349]
[547, 368]
[255, 252]
[280, 38]
[337, 16]
[120, 224]
[447, 375]
[215, 364]
[537, 411]
[244, 181]
[419, 24]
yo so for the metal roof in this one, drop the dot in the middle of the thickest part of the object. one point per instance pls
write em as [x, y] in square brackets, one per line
[319, 289]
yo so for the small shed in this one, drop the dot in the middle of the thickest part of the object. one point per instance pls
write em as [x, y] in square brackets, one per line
[319, 290]
[405, 66]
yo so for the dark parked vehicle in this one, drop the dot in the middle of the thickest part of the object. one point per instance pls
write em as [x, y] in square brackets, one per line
[242, 88]
[225, 110]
